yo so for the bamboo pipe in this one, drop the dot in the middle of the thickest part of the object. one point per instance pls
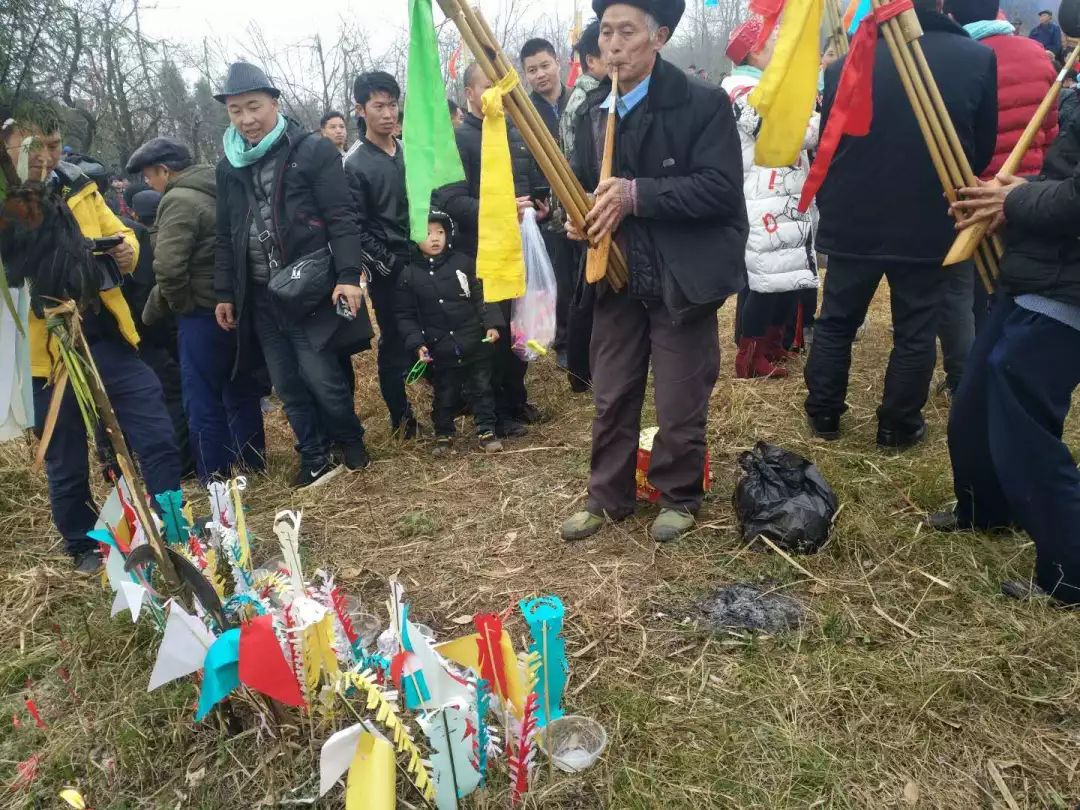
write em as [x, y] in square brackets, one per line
[535, 133]
[597, 259]
[475, 18]
[924, 114]
[966, 241]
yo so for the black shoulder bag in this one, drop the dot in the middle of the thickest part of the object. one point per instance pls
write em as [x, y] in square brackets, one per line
[301, 286]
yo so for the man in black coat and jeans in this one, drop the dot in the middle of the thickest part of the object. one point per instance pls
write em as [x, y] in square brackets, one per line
[461, 201]
[676, 208]
[1010, 465]
[283, 196]
[883, 214]
[375, 166]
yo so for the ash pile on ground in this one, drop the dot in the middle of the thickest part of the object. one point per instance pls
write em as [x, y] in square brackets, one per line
[749, 607]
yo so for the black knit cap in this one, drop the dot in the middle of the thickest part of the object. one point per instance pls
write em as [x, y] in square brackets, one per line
[666, 12]
[244, 77]
[157, 151]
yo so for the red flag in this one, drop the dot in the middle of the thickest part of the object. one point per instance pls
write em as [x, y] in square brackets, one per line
[575, 71]
[262, 664]
[452, 67]
[853, 107]
[492, 665]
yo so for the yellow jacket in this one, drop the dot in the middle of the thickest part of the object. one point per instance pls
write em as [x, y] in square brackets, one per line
[95, 221]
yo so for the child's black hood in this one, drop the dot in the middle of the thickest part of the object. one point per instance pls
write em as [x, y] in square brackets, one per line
[447, 222]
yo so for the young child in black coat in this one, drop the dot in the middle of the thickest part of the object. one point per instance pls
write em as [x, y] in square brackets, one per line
[441, 314]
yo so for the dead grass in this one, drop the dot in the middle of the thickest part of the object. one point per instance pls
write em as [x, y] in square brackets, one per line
[912, 684]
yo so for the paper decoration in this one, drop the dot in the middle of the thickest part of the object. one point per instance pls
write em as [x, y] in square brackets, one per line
[370, 784]
[287, 529]
[262, 664]
[465, 651]
[519, 758]
[544, 616]
[16, 392]
[183, 647]
[336, 755]
[456, 769]
[422, 665]
[172, 515]
[129, 596]
[220, 671]
[236, 486]
[112, 517]
[483, 737]
[74, 798]
[369, 758]
[364, 682]
[317, 649]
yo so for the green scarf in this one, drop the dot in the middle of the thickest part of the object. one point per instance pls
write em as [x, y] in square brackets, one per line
[240, 154]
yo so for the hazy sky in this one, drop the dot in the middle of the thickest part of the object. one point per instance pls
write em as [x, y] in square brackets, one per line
[288, 21]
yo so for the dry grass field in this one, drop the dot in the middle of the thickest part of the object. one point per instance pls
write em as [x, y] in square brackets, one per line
[911, 684]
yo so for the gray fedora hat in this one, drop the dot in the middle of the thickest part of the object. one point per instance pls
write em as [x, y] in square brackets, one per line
[244, 77]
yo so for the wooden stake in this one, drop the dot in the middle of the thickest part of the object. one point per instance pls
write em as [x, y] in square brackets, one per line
[964, 246]
[597, 260]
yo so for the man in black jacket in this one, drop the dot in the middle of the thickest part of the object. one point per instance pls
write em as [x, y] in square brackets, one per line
[375, 166]
[540, 64]
[283, 196]
[883, 214]
[1010, 465]
[676, 207]
[461, 201]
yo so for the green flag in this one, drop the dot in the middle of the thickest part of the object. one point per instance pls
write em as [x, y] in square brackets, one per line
[431, 155]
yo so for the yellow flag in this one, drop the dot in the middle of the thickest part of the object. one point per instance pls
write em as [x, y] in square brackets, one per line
[785, 96]
[465, 651]
[500, 263]
[370, 784]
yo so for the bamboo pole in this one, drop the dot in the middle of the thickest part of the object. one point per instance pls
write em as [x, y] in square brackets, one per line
[115, 436]
[538, 139]
[969, 238]
[949, 162]
[597, 259]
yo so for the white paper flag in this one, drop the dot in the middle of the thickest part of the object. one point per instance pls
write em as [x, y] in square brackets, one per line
[337, 753]
[130, 597]
[183, 647]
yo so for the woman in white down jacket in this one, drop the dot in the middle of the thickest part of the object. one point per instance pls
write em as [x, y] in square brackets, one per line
[780, 248]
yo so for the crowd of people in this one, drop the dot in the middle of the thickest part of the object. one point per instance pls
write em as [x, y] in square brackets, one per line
[255, 276]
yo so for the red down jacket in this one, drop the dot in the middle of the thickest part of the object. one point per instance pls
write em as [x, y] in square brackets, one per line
[1024, 75]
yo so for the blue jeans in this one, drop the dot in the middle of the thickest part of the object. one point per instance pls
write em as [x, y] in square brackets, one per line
[135, 394]
[224, 418]
[1010, 466]
[314, 387]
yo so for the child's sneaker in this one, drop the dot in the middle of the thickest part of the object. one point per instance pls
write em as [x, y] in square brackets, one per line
[442, 447]
[489, 442]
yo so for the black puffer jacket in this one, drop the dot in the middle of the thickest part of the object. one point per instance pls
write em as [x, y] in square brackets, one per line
[462, 200]
[1042, 237]
[312, 208]
[882, 198]
[686, 242]
[440, 304]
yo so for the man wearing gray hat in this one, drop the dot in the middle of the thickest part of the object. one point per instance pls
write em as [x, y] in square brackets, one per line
[223, 414]
[289, 273]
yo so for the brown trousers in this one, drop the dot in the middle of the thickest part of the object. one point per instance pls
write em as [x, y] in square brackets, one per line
[685, 363]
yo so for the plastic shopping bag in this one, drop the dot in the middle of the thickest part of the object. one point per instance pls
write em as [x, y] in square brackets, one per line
[532, 316]
[783, 497]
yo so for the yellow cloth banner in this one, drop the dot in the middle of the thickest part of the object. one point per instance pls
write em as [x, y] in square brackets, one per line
[785, 96]
[500, 263]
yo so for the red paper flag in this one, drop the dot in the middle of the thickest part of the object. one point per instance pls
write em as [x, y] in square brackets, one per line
[492, 666]
[262, 664]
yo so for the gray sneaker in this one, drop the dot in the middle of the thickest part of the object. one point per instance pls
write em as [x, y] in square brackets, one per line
[88, 563]
[581, 525]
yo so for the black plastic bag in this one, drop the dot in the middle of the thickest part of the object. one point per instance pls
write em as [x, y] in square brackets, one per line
[783, 497]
